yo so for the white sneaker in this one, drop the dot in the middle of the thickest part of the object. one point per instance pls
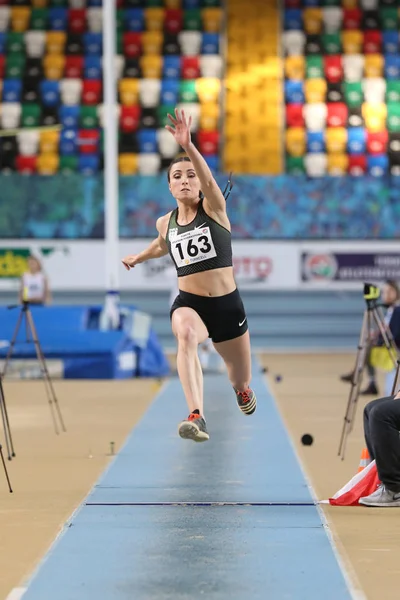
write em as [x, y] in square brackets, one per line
[382, 497]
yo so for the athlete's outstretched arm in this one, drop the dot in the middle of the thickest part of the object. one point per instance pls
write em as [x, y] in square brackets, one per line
[157, 248]
[209, 187]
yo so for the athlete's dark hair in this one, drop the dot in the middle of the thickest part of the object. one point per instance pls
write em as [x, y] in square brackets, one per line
[184, 158]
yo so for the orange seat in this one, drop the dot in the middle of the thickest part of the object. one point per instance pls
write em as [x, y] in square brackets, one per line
[209, 116]
[47, 164]
[154, 18]
[49, 142]
[152, 42]
[212, 19]
[129, 91]
[55, 42]
[127, 164]
[336, 139]
[151, 66]
[295, 67]
[295, 141]
[337, 164]
[53, 65]
[20, 18]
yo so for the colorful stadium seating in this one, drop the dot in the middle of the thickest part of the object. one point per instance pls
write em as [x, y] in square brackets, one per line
[342, 86]
[168, 54]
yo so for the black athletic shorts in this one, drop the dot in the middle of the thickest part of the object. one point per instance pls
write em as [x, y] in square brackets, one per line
[224, 316]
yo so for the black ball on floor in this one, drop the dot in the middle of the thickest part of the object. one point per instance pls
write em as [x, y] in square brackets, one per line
[307, 439]
[264, 370]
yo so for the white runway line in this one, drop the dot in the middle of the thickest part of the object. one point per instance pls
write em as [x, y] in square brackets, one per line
[16, 593]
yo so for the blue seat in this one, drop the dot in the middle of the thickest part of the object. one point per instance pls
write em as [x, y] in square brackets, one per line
[392, 66]
[12, 90]
[92, 44]
[292, 19]
[134, 19]
[213, 162]
[191, 3]
[93, 3]
[390, 42]
[88, 164]
[92, 67]
[377, 164]
[69, 142]
[169, 91]
[356, 140]
[210, 43]
[315, 141]
[171, 67]
[69, 116]
[310, 3]
[147, 139]
[294, 92]
[3, 40]
[58, 18]
[50, 92]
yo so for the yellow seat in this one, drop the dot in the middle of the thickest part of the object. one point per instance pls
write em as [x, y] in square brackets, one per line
[337, 164]
[173, 3]
[49, 142]
[373, 65]
[127, 164]
[154, 18]
[40, 3]
[152, 42]
[352, 41]
[350, 3]
[129, 91]
[53, 65]
[375, 116]
[212, 19]
[55, 42]
[208, 89]
[20, 18]
[295, 141]
[312, 18]
[295, 67]
[151, 66]
[315, 90]
[47, 164]
[209, 116]
[336, 139]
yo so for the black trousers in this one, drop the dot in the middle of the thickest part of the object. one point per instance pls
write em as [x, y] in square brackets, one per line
[381, 430]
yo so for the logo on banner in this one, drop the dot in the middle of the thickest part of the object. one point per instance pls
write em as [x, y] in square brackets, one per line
[319, 267]
[14, 261]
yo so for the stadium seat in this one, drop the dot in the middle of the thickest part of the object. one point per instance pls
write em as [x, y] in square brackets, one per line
[127, 163]
[149, 164]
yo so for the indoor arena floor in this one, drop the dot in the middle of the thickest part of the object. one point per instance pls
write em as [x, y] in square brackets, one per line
[170, 519]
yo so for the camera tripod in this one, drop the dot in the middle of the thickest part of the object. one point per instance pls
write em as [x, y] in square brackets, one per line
[372, 315]
[31, 336]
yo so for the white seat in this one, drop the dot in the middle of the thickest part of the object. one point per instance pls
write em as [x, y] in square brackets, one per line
[315, 116]
[77, 3]
[35, 42]
[28, 142]
[71, 90]
[10, 115]
[369, 4]
[211, 65]
[374, 90]
[166, 143]
[149, 164]
[100, 113]
[149, 92]
[95, 19]
[4, 17]
[332, 17]
[315, 164]
[190, 42]
[353, 66]
[294, 42]
[192, 109]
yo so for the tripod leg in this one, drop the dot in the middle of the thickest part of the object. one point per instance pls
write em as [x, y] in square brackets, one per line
[5, 469]
[6, 422]
[386, 335]
[6, 430]
[12, 343]
[48, 383]
[396, 379]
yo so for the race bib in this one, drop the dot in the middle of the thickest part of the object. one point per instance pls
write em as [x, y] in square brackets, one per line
[192, 247]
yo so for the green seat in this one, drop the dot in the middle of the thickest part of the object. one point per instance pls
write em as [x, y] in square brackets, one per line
[15, 65]
[162, 112]
[60, 3]
[39, 19]
[295, 165]
[153, 3]
[30, 115]
[393, 117]
[392, 90]
[187, 90]
[353, 93]
[15, 43]
[389, 18]
[68, 164]
[331, 3]
[332, 43]
[314, 67]
[120, 19]
[88, 117]
[210, 3]
[192, 20]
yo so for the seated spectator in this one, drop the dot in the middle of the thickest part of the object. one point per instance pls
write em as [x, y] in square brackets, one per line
[34, 284]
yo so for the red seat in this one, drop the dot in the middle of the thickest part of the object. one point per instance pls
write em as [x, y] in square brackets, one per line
[377, 142]
[190, 66]
[208, 142]
[129, 119]
[132, 43]
[333, 68]
[91, 91]
[337, 113]
[173, 20]
[372, 42]
[2, 64]
[357, 164]
[352, 18]
[73, 67]
[88, 141]
[294, 115]
[77, 20]
[26, 164]
[293, 4]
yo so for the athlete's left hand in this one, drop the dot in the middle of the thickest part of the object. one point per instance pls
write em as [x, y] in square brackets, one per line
[181, 129]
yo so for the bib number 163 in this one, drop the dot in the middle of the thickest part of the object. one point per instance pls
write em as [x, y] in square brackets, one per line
[193, 246]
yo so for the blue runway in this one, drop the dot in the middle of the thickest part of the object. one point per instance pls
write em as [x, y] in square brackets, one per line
[231, 518]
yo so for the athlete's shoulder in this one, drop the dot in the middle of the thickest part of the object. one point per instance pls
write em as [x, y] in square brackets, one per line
[162, 224]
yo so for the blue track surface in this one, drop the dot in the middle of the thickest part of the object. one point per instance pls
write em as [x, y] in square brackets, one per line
[232, 518]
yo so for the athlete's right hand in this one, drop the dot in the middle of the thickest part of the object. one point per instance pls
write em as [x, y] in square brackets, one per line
[130, 261]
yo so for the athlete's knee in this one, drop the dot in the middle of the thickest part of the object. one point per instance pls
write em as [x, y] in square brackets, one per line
[187, 336]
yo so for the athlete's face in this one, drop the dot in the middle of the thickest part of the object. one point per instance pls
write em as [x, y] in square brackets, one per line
[184, 184]
[33, 265]
[389, 295]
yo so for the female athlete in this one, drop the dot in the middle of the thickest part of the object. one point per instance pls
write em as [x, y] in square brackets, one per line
[197, 236]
